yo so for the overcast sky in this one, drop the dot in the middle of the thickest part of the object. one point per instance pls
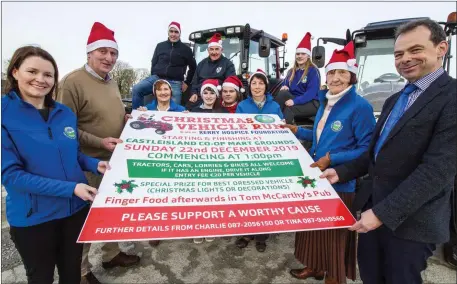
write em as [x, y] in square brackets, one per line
[62, 28]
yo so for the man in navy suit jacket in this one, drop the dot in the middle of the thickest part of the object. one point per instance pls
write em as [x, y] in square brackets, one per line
[406, 207]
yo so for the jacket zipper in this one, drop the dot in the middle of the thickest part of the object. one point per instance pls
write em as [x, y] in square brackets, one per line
[169, 63]
[31, 206]
[60, 155]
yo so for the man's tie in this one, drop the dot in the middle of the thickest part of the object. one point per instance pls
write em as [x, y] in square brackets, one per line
[395, 115]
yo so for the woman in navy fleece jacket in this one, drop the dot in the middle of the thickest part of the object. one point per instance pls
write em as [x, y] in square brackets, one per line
[298, 94]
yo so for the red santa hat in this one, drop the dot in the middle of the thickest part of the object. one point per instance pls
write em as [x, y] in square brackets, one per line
[343, 59]
[234, 82]
[213, 84]
[305, 45]
[215, 40]
[258, 72]
[100, 36]
[175, 25]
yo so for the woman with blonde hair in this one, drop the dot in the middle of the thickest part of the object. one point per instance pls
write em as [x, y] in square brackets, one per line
[298, 94]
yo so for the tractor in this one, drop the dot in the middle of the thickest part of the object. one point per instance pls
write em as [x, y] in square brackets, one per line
[374, 48]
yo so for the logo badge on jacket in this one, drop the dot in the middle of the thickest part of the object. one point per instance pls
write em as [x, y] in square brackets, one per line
[218, 69]
[69, 132]
[336, 126]
[304, 79]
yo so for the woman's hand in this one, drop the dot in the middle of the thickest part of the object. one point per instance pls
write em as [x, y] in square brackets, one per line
[292, 128]
[103, 166]
[289, 103]
[284, 88]
[85, 192]
[193, 98]
[127, 117]
[142, 108]
[323, 163]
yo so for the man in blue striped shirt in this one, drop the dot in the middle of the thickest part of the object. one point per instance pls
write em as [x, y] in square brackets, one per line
[412, 162]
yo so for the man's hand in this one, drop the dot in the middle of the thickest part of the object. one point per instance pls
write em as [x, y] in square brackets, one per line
[367, 222]
[289, 103]
[103, 166]
[323, 163]
[109, 143]
[85, 192]
[142, 108]
[184, 87]
[127, 117]
[193, 98]
[330, 175]
[284, 88]
[292, 128]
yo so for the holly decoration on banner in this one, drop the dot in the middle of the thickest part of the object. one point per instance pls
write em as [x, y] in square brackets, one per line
[306, 181]
[125, 185]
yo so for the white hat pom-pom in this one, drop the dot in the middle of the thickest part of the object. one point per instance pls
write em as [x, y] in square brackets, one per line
[351, 62]
[219, 87]
[242, 90]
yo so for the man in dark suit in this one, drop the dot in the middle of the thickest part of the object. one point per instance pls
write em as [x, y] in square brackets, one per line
[412, 163]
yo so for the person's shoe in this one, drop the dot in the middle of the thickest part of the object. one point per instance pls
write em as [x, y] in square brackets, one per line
[242, 242]
[209, 239]
[89, 278]
[307, 273]
[260, 246]
[154, 243]
[329, 280]
[450, 254]
[122, 260]
[228, 239]
[198, 240]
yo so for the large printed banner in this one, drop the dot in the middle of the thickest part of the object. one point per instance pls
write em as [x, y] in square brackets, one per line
[182, 175]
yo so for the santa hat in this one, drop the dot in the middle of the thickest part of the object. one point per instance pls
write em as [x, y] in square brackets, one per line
[213, 84]
[175, 25]
[258, 72]
[154, 87]
[100, 36]
[234, 82]
[215, 40]
[305, 45]
[343, 59]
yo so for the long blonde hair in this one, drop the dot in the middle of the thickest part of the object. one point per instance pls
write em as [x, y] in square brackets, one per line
[291, 74]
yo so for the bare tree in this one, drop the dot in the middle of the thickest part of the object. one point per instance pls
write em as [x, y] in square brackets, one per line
[141, 74]
[125, 77]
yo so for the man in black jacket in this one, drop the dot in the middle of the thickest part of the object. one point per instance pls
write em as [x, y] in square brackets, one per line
[412, 162]
[169, 62]
[215, 66]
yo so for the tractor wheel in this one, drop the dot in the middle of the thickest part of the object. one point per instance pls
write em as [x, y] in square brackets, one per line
[137, 125]
[160, 131]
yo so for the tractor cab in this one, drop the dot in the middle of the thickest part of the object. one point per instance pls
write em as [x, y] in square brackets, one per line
[248, 49]
[374, 48]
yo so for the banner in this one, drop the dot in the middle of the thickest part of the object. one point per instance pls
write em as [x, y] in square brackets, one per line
[186, 175]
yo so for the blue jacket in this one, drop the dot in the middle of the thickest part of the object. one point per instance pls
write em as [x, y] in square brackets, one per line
[305, 90]
[346, 134]
[249, 106]
[41, 163]
[174, 107]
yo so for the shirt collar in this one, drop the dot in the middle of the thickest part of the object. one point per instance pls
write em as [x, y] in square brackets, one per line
[424, 82]
[93, 73]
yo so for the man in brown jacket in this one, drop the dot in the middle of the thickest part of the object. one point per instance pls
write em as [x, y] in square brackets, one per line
[96, 101]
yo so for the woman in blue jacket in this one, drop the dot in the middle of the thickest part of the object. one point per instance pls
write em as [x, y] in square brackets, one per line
[162, 98]
[298, 94]
[342, 132]
[259, 102]
[42, 170]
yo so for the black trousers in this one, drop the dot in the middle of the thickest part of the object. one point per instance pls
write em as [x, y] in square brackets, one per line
[307, 110]
[386, 259]
[46, 245]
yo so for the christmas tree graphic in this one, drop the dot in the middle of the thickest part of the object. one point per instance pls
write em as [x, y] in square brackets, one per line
[125, 185]
[306, 181]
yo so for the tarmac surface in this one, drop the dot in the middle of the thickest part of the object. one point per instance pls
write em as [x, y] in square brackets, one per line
[182, 261]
